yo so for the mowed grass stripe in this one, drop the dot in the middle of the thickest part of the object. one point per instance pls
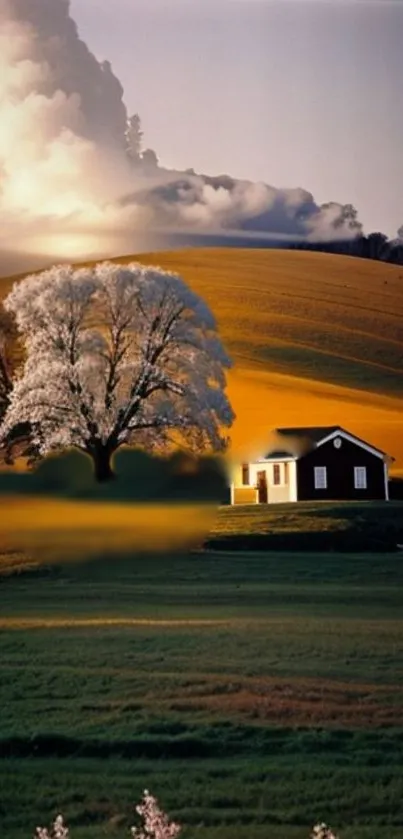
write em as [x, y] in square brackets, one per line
[105, 622]
[60, 623]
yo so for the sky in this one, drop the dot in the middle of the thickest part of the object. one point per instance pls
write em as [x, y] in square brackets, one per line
[295, 93]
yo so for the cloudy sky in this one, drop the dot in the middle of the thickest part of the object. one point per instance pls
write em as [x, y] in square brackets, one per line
[295, 93]
[297, 100]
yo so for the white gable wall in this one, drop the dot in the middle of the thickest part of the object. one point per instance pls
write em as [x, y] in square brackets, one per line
[292, 477]
[352, 439]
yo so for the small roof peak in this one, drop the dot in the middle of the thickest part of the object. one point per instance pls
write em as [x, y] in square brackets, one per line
[313, 432]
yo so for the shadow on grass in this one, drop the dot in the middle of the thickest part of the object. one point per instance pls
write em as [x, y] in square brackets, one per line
[220, 740]
[347, 527]
[140, 477]
[396, 489]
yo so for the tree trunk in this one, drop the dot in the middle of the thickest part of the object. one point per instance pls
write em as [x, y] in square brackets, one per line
[102, 464]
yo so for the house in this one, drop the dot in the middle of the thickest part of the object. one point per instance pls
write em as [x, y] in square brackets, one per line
[313, 464]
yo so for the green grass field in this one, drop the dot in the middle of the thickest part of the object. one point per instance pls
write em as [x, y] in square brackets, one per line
[252, 693]
[340, 526]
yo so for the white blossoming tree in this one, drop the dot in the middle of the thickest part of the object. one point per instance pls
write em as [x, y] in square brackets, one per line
[117, 355]
[6, 338]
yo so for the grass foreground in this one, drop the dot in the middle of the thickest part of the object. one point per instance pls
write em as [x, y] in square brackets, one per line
[253, 693]
[310, 526]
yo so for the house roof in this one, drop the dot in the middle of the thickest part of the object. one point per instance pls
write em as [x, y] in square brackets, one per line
[313, 433]
[297, 440]
[278, 455]
[305, 438]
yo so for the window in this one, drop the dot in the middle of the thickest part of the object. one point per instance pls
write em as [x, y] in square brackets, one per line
[360, 477]
[276, 474]
[320, 477]
[245, 474]
[286, 473]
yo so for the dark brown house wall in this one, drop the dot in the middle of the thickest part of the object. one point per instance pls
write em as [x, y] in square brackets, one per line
[340, 473]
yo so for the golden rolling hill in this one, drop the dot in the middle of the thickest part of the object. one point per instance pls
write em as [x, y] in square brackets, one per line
[316, 339]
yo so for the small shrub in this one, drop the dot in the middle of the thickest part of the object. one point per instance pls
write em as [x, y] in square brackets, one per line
[155, 825]
[322, 831]
[57, 831]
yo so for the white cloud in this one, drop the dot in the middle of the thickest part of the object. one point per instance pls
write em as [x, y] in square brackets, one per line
[67, 185]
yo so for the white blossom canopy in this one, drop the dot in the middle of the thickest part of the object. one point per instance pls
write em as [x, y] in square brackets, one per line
[117, 354]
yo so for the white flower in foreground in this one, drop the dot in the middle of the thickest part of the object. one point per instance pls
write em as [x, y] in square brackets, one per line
[156, 824]
[57, 831]
[322, 831]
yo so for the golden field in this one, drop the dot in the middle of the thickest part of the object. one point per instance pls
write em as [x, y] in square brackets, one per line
[62, 529]
[316, 339]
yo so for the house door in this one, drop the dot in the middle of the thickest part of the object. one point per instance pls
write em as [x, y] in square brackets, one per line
[262, 487]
